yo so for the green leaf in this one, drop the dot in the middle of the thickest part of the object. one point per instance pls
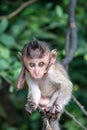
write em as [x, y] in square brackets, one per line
[59, 11]
[8, 40]
[18, 27]
[35, 116]
[85, 57]
[3, 64]
[80, 51]
[4, 52]
[46, 35]
[3, 25]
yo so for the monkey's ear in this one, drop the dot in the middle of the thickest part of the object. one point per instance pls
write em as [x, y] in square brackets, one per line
[20, 55]
[21, 80]
[53, 56]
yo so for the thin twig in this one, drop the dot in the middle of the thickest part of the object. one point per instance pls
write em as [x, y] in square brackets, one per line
[17, 11]
[79, 104]
[75, 120]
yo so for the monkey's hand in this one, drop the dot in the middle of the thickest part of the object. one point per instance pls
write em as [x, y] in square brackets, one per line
[53, 112]
[30, 106]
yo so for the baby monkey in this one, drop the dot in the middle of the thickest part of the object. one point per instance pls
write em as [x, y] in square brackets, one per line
[48, 83]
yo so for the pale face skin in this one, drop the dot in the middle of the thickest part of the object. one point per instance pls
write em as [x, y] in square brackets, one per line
[37, 67]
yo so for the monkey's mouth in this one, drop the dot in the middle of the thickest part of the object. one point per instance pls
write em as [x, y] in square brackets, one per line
[37, 76]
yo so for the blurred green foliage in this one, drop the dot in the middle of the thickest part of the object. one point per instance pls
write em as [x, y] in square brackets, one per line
[47, 21]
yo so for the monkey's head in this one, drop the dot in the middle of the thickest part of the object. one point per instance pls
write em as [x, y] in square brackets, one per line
[37, 58]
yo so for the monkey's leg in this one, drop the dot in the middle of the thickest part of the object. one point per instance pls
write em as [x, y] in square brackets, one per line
[55, 124]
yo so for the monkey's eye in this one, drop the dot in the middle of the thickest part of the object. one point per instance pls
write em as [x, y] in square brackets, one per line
[41, 64]
[32, 65]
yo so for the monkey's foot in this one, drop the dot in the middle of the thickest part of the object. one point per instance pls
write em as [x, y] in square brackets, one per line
[30, 106]
[53, 109]
[53, 112]
[52, 116]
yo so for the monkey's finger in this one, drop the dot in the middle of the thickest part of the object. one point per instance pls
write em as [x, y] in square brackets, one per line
[28, 109]
[47, 109]
[53, 110]
[32, 103]
[58, 108]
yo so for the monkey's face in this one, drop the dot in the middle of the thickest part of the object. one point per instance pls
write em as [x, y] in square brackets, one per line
[37, 67]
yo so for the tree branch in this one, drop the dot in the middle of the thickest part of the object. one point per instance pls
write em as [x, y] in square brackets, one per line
[71, 36]
[75, 120]
[79, 104]
[17, 11]
[46, 123]
[70, 47]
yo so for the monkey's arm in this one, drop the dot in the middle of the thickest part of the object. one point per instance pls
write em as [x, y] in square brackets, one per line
[34, 94]
[63, 94]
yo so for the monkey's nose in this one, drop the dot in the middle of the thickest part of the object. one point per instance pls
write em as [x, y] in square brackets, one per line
[36, 71]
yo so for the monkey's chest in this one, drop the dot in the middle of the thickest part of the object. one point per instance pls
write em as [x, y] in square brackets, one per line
[47, 88]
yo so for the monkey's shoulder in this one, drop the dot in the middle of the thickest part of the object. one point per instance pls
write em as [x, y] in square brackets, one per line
[59, 70]
[56, 74]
